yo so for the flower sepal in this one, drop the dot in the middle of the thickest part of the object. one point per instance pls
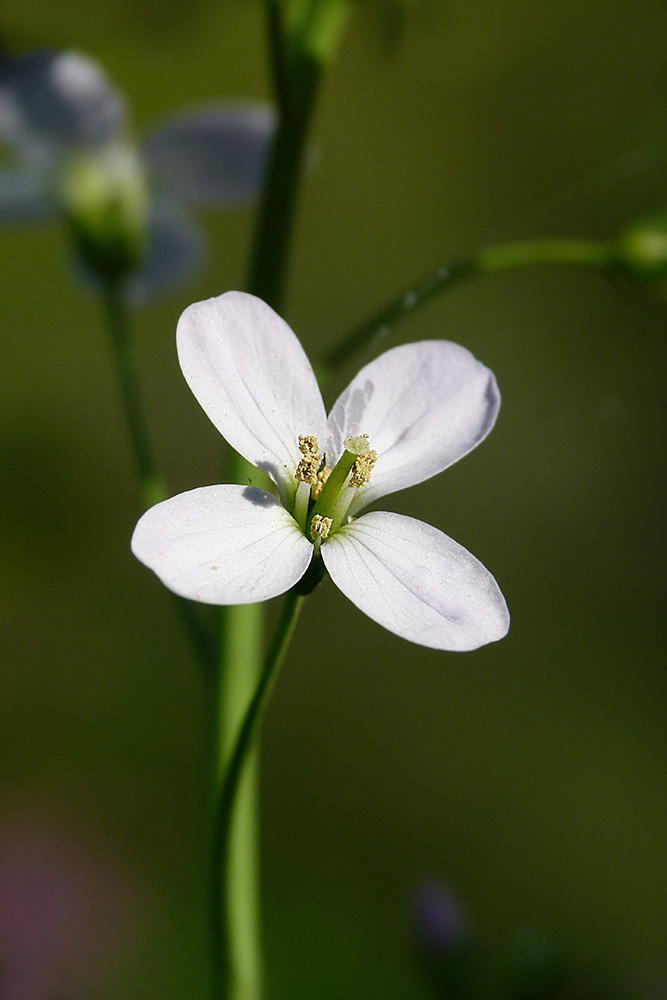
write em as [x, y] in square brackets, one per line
[312, 578]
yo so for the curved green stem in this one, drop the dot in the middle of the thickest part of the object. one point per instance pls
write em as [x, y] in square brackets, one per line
[582, 253]
[237, 973]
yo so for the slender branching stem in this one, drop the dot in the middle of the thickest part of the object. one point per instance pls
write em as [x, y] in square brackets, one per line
[579, 253]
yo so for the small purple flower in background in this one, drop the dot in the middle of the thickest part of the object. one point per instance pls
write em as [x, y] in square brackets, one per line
[68, 910]
[68, 152]
[439, 922]
[406, 416]
[445, 947]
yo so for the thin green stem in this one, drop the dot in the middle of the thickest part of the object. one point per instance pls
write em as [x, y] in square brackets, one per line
[152, 488]
[582, 253]
[235, 967]
[275, 222]
[235, 885]
[301, 45]
[151, 485]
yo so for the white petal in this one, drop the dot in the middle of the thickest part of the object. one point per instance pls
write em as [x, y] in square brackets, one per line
[423, 406]
[253, 379]
[23, 198]
[214, 155]
[223, 545]
[54, 100]
[417, 582]
[174, 249]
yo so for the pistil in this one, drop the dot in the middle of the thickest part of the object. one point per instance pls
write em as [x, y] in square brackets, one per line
[350, 471]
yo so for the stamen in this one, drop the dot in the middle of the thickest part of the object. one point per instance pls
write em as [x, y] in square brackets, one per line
[362, 468]
[319, 529]
[307, 444]
[306, 470]
[321, 479]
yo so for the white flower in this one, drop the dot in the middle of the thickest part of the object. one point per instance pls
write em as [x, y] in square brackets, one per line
[65, 127]
[406, 416]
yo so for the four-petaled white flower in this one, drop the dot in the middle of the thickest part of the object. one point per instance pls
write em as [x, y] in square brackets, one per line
[406, 416]
[66, 131]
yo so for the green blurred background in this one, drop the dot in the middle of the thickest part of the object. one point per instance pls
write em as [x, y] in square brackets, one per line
[527, 775]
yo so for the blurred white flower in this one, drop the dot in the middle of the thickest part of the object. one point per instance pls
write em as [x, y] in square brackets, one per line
[405, 417]
[68, 152]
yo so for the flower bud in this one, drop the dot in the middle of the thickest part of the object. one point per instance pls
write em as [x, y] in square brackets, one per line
[642, 255]
[104, 198]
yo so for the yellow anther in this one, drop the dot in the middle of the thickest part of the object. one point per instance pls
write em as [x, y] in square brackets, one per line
[362, 468]
[321, 479]
[306, 470]
[320, 527]
[308, 444]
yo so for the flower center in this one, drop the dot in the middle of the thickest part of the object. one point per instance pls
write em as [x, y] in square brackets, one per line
[324, 495]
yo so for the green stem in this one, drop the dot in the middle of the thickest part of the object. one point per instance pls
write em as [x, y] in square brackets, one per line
[237, 957]
[582, 253]
[275, 222]
[237, 966]
[151, 485]
[277, 53]
[152, 488]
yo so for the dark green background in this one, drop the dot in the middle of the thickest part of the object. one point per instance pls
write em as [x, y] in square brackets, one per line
[527, 775]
